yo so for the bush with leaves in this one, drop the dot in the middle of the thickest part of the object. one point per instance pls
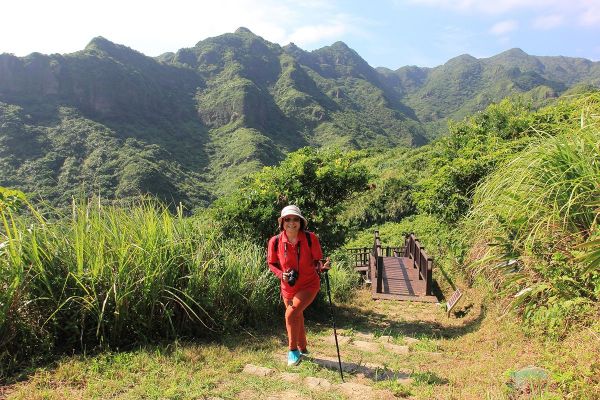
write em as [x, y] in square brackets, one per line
[542, 209]
[316, 181]
[457, 163]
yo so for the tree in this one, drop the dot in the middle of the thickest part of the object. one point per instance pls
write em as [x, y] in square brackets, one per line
[316, 181]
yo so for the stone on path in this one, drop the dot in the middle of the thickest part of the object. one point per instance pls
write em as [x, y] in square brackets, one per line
[364, 336]
[317, 383]
[394, 348]
[367, 346]
[258, 371]
[351, 388]
[386, 339]
[372, 371]
[529, 379]
[410, 340]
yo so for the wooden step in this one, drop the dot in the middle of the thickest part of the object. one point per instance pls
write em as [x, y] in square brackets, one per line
[386, 296]
[400, 281]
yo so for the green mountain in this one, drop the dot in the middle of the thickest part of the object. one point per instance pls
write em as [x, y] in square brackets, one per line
[185, 126]
[107, 120]
[465, 84]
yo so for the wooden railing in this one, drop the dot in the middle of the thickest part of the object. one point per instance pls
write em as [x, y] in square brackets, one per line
[364, 257]
[420, 260]
[393, 251]
[370, 263]
[376, 262]
[361, 256]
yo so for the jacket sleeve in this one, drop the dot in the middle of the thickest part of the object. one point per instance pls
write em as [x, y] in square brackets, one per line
[273, 259]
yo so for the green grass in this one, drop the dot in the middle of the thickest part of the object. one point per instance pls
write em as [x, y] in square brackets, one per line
[107, 277]
[113, 276]
[475, 355]
[541, 209]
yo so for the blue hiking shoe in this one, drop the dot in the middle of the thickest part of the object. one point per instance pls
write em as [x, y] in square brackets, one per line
[294, 357]
[304, 352]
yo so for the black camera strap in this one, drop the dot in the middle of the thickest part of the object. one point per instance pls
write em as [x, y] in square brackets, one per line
[298, 252]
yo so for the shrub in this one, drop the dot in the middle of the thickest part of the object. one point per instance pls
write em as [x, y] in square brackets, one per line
[110, 276]
[316, 181]
[541, 209]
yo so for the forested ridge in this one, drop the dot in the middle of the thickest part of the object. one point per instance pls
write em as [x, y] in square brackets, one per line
[185, 126]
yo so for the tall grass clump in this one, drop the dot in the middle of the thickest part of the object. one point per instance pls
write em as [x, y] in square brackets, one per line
[536, 220]
[112, 276]
[19, 331]
[342, 277]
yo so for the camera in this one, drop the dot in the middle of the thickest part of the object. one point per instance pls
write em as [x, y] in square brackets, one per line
[292, 276]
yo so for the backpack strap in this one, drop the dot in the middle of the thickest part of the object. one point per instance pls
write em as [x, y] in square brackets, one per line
[308, 240]
[276, 244]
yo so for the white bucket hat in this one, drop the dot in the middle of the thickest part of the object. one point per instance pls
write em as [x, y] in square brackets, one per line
[291, 210]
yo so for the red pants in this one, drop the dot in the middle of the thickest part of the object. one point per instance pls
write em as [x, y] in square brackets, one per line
[294, 317]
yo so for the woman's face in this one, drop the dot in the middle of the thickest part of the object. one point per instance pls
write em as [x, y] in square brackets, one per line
[291, 223]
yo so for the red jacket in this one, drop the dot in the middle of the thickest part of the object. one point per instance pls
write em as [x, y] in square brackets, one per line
[287, 258]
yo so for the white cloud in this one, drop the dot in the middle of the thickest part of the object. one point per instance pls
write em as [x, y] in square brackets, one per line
[504, 27]
[332, 29]
[153, 26]
[487, 6]
[548, 21]
[586, 12]
[591, 14]
[310, 34]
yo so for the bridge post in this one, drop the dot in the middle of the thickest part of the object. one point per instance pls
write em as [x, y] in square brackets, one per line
[379, 274]
[429, 284]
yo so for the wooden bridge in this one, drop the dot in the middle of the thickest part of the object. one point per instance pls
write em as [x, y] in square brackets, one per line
[396, 273]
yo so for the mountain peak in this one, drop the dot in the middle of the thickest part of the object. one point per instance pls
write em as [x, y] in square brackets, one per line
[512, 55]
[291, 46]
[341, 45]
[100, 43]
[294, 50]
[461, 59]
[339, 48]
[243, 30]
[120, 52]
[514, 52]
[518, 58]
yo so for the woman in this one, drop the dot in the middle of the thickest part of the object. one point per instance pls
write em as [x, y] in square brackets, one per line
[294, 256]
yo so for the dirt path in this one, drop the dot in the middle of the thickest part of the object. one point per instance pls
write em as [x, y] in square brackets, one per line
[389, 350]
[413, 350]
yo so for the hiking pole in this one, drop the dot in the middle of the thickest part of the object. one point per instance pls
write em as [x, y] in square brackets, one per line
[337, 346]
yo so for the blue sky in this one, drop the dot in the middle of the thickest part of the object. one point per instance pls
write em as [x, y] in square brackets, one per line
[388, 33]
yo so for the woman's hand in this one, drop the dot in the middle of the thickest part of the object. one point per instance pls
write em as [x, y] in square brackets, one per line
[323, 266]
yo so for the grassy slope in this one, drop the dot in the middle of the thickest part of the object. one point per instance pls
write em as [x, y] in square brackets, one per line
[466, 357]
